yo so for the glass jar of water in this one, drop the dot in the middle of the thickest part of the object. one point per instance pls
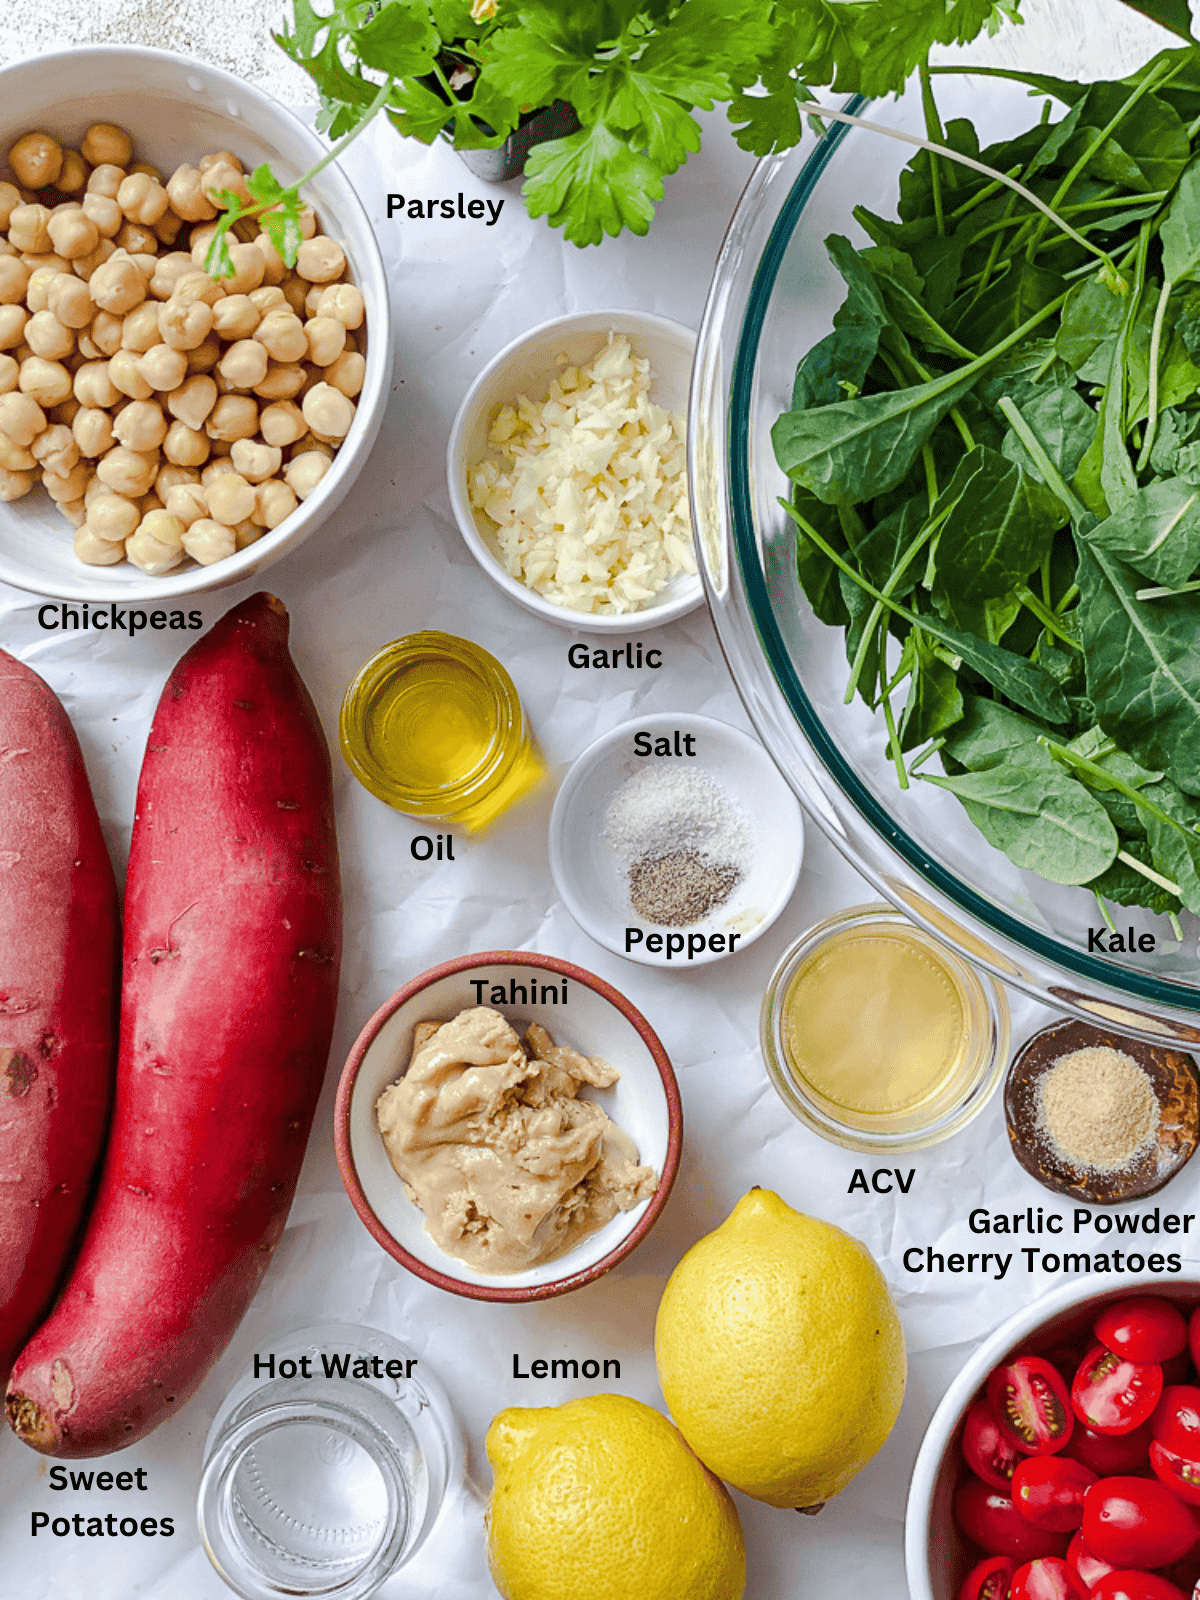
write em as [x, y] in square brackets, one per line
[326, 1467]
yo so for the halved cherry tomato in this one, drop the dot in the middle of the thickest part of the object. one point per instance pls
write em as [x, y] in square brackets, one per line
[1112, 1395]
[989, 1519]
[1180, 1474]
[1176, 1420]
[1142, 1329]
[1089, 1567]
[1049, 1490]
[1031, 1403]
[990, 1580]
[1136, 1522]
[1111, 1454]
[1048, 1579]
[1136, 1586]
[985, 1449]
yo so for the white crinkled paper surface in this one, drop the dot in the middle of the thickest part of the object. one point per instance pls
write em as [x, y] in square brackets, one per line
[392, 562]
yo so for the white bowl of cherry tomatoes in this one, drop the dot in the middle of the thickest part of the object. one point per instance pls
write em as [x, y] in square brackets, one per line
[1064, 1461]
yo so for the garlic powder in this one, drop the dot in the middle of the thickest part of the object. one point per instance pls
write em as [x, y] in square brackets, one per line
[590, 496]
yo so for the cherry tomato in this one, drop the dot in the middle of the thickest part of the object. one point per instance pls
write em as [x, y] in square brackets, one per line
[1048, 1579]
[1136, 1586]
[1136, 1522]
[1031, 1403]
[1176, 1420]
[989, 1519]
[1194, 1337]
[1112, 1395]
[990, 1580]
[1049, 1490]
[1111, 1454]
[1089, 1567]
[985, 1449]
[1180, 1474]
[1142, 1329]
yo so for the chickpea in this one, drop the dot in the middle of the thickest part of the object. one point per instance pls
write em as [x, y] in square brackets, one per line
[86, 265]
[139, 332]
[28, 228]
[224, 176]
[12, 326]
[184, 324]
[105, 144]
[65, 411]
[94, 551]
[73, 173]
[104, 214]
[345, 302]
[295, 292]
[67, 486]
[8, 374]
[255, 461]
[326, 339]
[304, 472]
[118, 285]
[10, 198]
[93, 387]
[36, 160]
[284, 380]
[70, 301]
[274, 501]
[282, 336]
[192, 401]
[142, 198]
[48, 382]
[73, 234]
[186, 447]
[46, 336]
[199, 241]
[235, 416]
[127, 472]
[168, 228]
[163, 369]
[34, 259]
[92, 430]
[137, 240]
[13, 485]
[230, 498]
[207, 541]
[195, 286]
[21, 418]
[148, 167]
[123, 370]
[14, 276]
[158, 524]
[282, 423]
[321, 260]
[153, 558]
[217, 468]
[248, 269]
[168, 270]
[204, 357]
[347, 374]
[187, 197]
[170, 475]
[56, 449]
[215, 157]
[244, 364]
[312, 300]
[74, 511]
[15, 457]
[268, 298]
[112, 517]
[106, 179]
[235, 317]
[37, 291]
[140, 425]
[274, 266]
[187, 501]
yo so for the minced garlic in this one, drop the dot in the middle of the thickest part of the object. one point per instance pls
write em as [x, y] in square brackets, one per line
[590, 499]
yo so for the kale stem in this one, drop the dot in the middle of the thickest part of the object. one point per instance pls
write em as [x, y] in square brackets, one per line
[1166, 594]
[931, 482]
[1160, 313]
[1149, 872]
[1046, 590]
[921, 539]
[1071, 594]
[1103, 909]
[931, 749]
[1046, 617]
[1108, 780]
[894, 742]
[1055, 480]
[1175, 928]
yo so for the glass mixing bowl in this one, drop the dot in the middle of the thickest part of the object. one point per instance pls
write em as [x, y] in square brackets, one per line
[773, 297]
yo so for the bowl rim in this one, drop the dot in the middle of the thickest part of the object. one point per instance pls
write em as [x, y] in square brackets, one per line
[581, 769]
[370, 403]
[969, 1379]
[1174, 1003]
[345, 1152]
[691, 593]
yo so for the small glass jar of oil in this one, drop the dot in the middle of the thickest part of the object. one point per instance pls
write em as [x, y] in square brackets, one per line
[878, 1036]
[433, 726]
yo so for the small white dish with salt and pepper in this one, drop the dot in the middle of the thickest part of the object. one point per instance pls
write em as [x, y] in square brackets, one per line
[591, 869]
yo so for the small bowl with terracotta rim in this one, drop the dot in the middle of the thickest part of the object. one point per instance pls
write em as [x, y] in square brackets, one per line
[577, 1009]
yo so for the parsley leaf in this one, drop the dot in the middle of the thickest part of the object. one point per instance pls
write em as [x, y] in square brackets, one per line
[592, 183]
[399, 40]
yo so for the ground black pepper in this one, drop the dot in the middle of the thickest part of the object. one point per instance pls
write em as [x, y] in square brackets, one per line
[678, 889]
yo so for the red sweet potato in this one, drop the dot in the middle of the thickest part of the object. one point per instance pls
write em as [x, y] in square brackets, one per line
[59, 942]
[232, 947]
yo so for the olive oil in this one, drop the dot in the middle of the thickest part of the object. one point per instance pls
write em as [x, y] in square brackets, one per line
[433, 726]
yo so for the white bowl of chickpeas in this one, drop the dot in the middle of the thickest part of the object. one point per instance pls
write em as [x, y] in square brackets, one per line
[164, 429]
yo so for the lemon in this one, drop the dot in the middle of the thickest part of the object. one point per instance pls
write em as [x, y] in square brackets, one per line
[780, 1353]
[600, 1499]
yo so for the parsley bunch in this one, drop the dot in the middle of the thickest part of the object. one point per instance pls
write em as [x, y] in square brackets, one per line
[635, 71]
